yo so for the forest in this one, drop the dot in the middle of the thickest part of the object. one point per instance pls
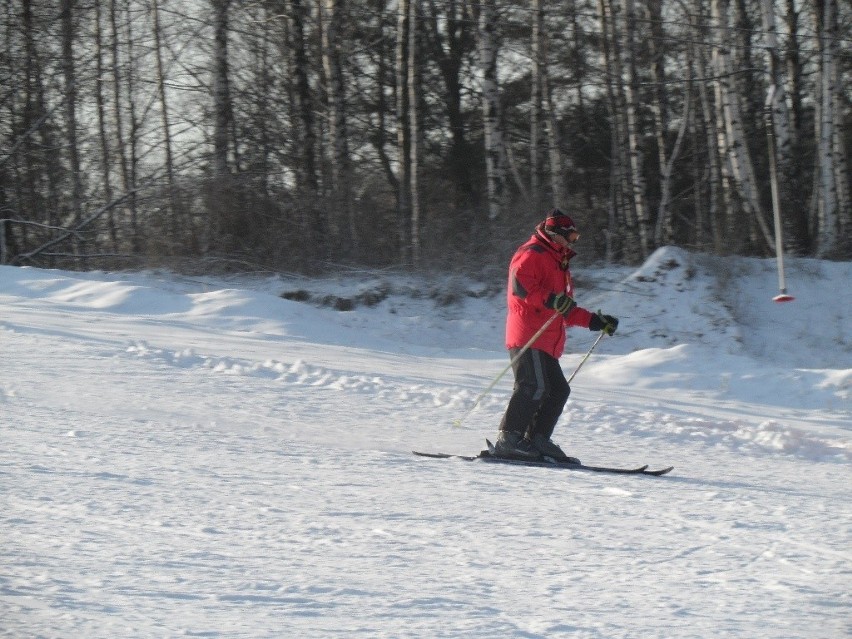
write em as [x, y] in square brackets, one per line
[311, 135]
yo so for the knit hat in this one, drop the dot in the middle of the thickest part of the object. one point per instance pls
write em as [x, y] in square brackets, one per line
[558, 223]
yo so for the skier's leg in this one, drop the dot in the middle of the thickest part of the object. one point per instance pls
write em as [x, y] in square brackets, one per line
[553, 403]
[550, 410]
[529, 392]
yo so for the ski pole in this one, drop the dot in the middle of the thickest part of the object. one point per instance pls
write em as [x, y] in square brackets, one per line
[583, 361]
[458, 422]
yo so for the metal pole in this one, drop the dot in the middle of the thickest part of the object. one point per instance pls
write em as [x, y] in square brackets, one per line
[776, 200]
[583, 361]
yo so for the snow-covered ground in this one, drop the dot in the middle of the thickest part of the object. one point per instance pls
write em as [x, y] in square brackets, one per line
[201, 457]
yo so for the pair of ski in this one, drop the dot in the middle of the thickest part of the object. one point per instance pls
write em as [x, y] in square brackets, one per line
[546, 462]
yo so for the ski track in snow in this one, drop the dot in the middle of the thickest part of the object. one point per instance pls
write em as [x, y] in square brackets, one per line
[160, 478]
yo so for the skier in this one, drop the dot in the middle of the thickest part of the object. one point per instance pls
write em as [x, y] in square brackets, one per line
[540, 286]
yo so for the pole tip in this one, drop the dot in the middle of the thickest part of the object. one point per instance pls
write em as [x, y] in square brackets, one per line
[783, 297]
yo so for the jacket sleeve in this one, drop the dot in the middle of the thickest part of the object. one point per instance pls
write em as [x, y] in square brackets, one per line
[579, 317]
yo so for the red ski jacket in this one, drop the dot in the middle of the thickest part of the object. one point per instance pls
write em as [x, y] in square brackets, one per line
[539, 268]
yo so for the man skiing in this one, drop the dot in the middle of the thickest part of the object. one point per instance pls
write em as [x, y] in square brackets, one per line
[540, 287]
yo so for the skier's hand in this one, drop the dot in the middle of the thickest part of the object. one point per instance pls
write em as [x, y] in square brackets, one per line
[605, 323]
[561, 303]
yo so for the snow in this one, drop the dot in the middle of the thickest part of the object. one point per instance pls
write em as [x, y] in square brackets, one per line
[203, 457]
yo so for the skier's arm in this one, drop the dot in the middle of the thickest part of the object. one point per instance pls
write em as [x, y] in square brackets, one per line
[579, 316]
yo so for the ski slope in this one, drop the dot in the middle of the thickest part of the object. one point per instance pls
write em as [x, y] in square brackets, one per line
[203, 457]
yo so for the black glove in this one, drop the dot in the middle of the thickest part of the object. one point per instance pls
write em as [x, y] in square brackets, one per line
[560, 303]
[605, 323]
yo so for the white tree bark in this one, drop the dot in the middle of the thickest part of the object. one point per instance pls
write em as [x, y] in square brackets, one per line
[827, 227]
[841, 156]
[495, 152]
[631, 86]
[403, 131]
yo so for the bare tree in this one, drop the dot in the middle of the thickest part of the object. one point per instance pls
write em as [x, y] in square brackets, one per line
[130, 124]
[449, 38]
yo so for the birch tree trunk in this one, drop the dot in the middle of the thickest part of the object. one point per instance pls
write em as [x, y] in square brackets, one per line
[222, 223]
[495, 152]
[221, 91]
[403, 131]
[663, 232]
[70, 89]
[164, 111]
[717, 183]
[798, 236]
[794, 68]
[620, 227]
[130, 150]
[103, 138]
[341, 169]
[732, 139]
[631, 89]
[839, 146]
[554, 148]
[537, 129]
[827, 213]
[304, 131]
[414, 122]
[779, 118]
[119, 123]
[623, 222]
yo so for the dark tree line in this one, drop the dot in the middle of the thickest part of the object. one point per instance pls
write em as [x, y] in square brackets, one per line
[296, 134]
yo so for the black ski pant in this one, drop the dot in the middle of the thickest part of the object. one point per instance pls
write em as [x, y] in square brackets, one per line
[539, 397]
